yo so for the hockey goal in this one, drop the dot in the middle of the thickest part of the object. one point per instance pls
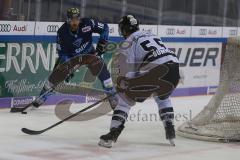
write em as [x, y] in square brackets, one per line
[220, 119]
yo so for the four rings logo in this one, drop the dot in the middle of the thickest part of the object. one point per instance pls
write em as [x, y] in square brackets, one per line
[233, 32]
[5, 27]
[52, 28]
[170, 31]
[111, 30]
[202, 31]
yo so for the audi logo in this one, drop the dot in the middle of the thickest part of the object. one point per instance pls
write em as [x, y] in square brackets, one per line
[52, 28]
[5, 27]
[202, 31]
[170, 31]
[111, 30]
[233, 32]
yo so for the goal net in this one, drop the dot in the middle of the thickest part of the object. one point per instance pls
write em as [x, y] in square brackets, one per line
[220, 118]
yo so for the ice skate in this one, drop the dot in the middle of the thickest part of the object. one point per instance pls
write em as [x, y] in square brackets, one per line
[108, 139]
[170, 131]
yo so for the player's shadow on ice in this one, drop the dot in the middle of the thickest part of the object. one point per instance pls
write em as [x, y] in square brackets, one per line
[157, 144]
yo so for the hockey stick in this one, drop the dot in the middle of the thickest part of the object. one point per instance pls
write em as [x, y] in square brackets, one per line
[34, 132]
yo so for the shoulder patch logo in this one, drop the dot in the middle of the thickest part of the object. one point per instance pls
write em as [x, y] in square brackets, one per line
[86, 29]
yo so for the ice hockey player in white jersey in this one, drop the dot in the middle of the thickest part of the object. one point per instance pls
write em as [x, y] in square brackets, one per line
[152, 71]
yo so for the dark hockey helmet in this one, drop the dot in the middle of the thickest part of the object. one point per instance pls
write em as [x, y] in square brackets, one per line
[73, 13]
[127, 25]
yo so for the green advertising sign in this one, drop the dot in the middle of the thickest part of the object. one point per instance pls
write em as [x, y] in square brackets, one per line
[25, 66]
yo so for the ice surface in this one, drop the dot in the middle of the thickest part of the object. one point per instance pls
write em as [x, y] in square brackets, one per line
[142, 139]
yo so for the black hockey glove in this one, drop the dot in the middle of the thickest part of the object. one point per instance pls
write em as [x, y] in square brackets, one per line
[122, 84]
[101, 47]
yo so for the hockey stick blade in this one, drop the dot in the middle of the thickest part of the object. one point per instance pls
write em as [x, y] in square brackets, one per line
[16, 110]
[22, 110]
[33, 132]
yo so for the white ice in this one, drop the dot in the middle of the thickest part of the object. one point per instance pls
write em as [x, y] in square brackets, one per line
[142, 139]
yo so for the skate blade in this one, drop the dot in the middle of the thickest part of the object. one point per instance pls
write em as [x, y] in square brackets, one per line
[106, 144]
[33, 108]
[172, 143]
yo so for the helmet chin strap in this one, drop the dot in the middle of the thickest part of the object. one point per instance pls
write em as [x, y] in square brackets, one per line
[125, 34]
[74, 29]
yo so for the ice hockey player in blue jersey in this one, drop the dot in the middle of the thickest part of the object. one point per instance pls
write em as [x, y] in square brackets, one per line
[74, 38]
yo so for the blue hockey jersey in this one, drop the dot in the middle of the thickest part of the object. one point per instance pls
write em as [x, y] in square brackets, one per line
[71, 44]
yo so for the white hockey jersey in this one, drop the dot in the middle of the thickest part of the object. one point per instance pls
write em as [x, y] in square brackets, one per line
[145, 47]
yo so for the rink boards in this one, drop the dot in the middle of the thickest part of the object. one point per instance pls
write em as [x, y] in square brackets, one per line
[28, 54]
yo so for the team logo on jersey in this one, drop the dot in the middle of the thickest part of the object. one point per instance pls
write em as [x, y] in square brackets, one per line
[78, 42]
[86, 29]
[81, 48]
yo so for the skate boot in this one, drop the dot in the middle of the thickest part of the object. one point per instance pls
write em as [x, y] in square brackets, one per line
[38, 102]
[44, 94]
[170, 131]
[41, 99]
[167, 116]
[108, 139]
